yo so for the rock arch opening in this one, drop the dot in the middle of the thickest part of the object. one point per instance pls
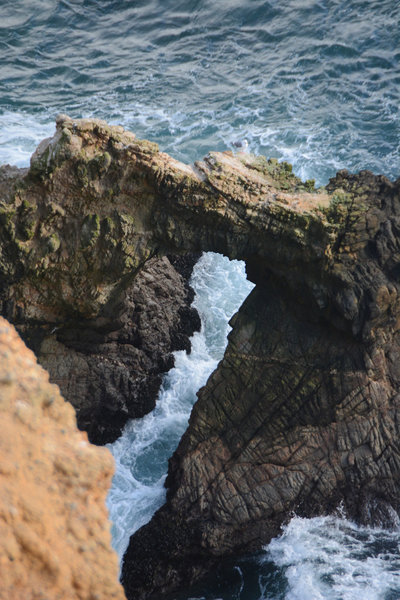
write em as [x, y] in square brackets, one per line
[143, 450]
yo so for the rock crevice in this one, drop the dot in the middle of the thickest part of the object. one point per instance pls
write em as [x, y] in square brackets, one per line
[303, 411]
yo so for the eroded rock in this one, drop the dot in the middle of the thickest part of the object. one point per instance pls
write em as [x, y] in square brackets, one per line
[55, 541]
[302, 413]
[74, 279]
[111, 371]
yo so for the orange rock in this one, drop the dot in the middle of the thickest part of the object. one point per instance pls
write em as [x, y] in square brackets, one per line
[55, 542]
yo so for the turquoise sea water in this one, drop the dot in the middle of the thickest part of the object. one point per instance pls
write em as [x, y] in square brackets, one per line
[313, 82]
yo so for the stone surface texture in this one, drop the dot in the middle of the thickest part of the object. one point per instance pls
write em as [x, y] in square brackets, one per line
[303, 411]
[54, 533]
[113, 373]
[109, 367]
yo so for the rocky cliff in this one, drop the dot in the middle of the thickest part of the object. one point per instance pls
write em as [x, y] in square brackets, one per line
[303, 411]
[112, 372]
[54, 533]
[109, 367]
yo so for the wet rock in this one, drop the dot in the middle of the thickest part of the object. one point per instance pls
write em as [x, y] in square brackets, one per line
[301, 414]
[105, 338]
[111, 370]
[303, 411]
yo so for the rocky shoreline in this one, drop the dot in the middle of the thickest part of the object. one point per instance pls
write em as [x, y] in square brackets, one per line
[109, 367]
[303, 411]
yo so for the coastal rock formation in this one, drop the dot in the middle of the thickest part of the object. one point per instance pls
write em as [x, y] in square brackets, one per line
[111, 373]
[97, 204]
[303, 411]
[54, 533]
[109, 367]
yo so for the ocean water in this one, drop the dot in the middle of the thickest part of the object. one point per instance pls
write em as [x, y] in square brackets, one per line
[141, 453]
[315, 82]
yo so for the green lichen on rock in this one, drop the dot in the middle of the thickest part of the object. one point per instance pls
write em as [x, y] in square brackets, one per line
[26, 220]
[53, 243]
[82, 174]
[99, 164]
[110, 234]
[302, 226]
[90, 231]
[309, 185]
[7, 214]
[108, 226]
[345, 214]
[340, 204]
[129, 256]
[127, 218]
[280, 172]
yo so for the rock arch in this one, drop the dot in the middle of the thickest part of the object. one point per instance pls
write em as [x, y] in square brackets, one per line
[303, 411]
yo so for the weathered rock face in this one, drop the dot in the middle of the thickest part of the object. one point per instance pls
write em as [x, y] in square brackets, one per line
[109, 367]
[303, 411]
[113, 373]
[96, 204]
[54, 533]
[76, 229]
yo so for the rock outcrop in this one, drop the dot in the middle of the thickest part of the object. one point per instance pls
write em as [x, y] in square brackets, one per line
[303, 411]
[54, 533]
[97, 204]
[110, 367]
[112, 373]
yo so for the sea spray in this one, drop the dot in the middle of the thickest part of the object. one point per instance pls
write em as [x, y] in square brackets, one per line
[325, 558]
[331, 558]
[315, 83]
[141, 453]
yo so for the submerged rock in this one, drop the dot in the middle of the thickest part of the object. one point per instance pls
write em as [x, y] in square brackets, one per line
[55, 541]
[303, 411]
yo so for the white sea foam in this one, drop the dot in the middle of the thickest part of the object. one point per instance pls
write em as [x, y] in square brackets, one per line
[188, 134]
[182, 133]
[312, 84]
[331, 558]
[325, 559]
[141, 453]
[20, 133]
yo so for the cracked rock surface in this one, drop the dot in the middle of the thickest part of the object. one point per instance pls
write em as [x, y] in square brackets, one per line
[113, 372]
[302, 413]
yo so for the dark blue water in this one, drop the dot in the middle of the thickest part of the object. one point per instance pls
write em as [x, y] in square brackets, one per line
[314, 82]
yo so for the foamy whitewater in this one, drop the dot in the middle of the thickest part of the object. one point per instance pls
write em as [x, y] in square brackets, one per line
[330, 558]
[315, 82]
[142, 452]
